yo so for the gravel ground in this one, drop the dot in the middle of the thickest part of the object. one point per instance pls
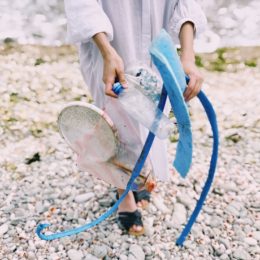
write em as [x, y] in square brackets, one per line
[39, 181]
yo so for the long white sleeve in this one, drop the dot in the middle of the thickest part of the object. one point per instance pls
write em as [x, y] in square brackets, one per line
[184, 11]
[85, 18]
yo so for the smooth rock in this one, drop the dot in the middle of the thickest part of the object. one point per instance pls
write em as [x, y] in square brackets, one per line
[90, 257]
[122, 257]
[148, 227]
[3, 229]
[31, 256]
[256, 235]
[233, 209]
[75, 254]
[113, 237]
[84, 197]
[105, 202]
[231, 186]
[215, 221]
[186, 200]
[158, 202]
[20, 213]
[225, 242]
[100, 251]
[136, 253]
[224, 257]
[241, 254]
[179, 215]
[250, 241]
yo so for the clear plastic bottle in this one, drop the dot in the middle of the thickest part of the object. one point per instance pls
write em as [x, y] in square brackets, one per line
[142, 108]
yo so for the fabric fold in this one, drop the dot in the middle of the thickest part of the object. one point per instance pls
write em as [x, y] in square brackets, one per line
[85, 18]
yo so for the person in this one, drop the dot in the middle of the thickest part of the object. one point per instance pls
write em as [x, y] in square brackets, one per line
[112, 35]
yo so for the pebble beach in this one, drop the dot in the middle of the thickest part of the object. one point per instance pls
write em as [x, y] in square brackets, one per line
[40, 183]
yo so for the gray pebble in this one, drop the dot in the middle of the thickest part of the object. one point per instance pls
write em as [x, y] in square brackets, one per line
[100, 251]
[84, 197]
[241, 254]
[105, 202]
[224, 257]
[231, 209]
[225, 242]
[136, 253]
[215, 221]
[113, 237]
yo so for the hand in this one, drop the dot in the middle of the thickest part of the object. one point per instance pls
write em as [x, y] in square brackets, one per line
[196, 79]
[113, 64]
[113, 68]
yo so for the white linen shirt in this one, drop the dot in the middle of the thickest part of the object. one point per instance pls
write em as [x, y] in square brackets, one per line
[130, 26]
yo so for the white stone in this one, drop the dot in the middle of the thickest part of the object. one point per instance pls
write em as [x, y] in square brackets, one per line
[215, 221]
[31, 256]
[84, 197]
[75, 254]
[256, 235]
[179, 215]
[148, 227]
[3, 229]
[122, 257]
[241, 254]
[250, 241]
[158, 202]
[90, 257]
[136, 253]
[100, 251]
[186, 200]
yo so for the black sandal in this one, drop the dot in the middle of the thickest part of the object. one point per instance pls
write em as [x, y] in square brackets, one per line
[139, 196]
[128, 219]
[142, 195]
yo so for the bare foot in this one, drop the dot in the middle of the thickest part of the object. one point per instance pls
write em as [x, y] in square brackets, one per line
[129, 205]
[142, 204]
[142, 198]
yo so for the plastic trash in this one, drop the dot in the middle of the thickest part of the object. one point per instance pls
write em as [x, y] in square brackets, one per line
[140, 102]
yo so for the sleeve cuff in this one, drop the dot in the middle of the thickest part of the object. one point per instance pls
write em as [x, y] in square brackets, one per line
[199, 26]
[85, 36]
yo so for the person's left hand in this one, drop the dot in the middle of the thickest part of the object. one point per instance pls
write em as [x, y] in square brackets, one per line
[196, 79]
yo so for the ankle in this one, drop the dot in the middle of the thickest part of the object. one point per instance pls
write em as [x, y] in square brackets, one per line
[129, 194]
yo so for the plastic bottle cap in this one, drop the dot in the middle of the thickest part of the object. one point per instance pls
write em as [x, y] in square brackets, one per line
[117, 88]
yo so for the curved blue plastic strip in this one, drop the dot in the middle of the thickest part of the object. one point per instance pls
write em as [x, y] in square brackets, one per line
[213, 164]
[166, 59]
[136, 171]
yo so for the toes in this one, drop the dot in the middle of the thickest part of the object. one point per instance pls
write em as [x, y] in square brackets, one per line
[136, 228]
[139, 204]
[144, 202]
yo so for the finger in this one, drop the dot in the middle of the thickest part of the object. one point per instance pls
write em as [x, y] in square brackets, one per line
[108, 89]
[190, 87]
[195, 90]
[121, 78]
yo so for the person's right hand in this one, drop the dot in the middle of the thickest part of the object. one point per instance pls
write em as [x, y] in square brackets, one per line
[113, 69]
[113, 64]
